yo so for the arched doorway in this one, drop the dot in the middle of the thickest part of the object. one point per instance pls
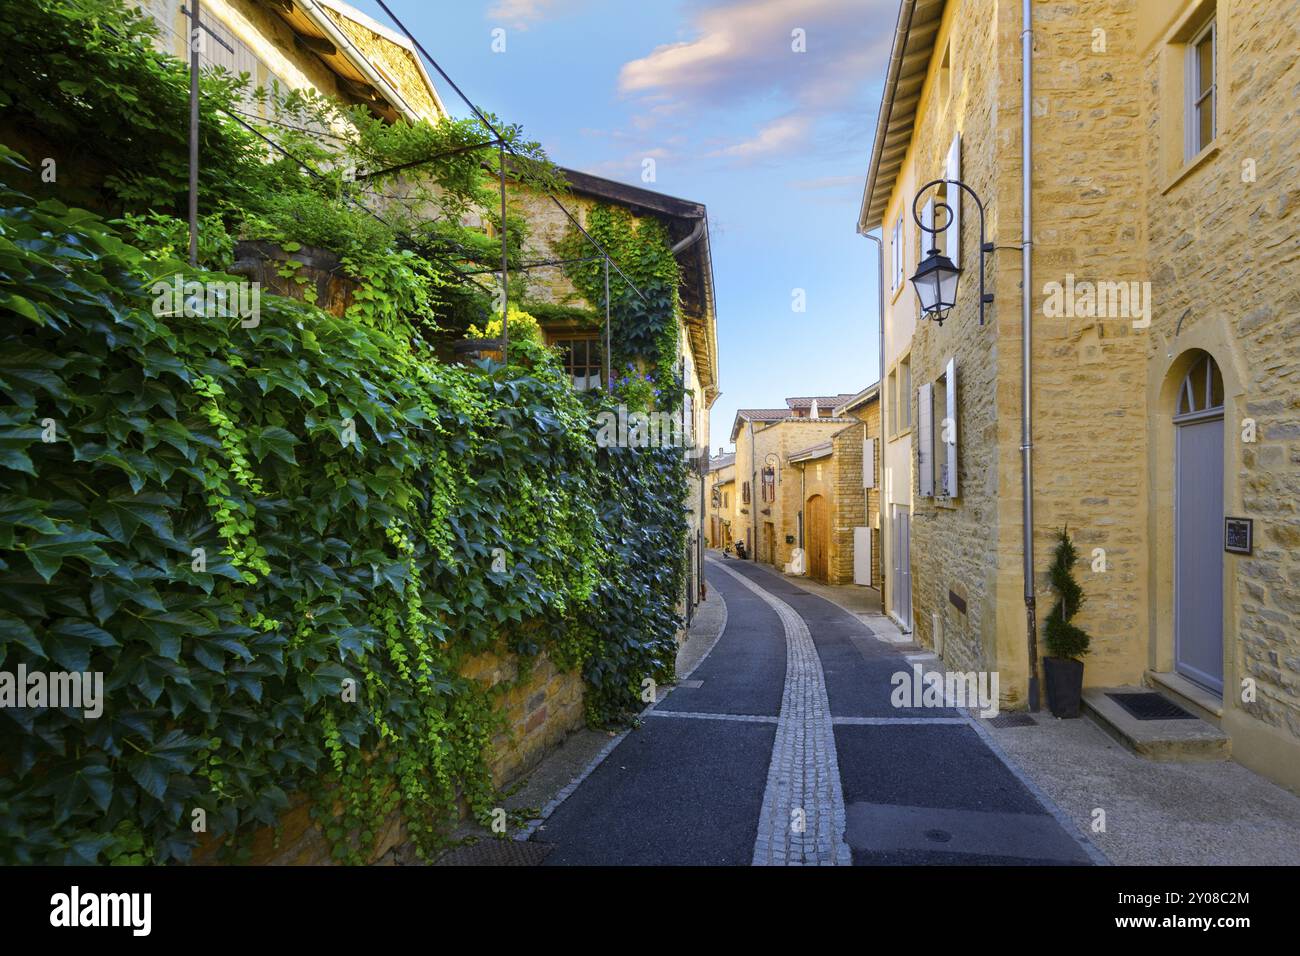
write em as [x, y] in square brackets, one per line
[1198, 525]
[818, 527]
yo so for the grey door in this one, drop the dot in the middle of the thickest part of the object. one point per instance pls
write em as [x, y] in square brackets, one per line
[1198, 555]
[902, 588]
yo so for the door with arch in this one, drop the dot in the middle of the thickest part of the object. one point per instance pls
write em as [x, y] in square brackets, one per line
[1198, 526]
[819, 535]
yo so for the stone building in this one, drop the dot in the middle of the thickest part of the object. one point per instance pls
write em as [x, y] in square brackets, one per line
[1158, 253]
[581, 343]
[802, 485]
[721, 498]
[319, 45]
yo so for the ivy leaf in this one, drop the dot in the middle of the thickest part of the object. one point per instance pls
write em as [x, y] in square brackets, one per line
[49, 552]
[15, 630]
[274, 440]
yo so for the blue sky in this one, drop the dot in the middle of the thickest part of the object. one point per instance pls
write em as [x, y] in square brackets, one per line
[774, 142]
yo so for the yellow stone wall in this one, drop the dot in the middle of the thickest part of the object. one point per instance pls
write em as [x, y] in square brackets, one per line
[1222, 248]
[854, 505]
[1115, 201]
[780, 439]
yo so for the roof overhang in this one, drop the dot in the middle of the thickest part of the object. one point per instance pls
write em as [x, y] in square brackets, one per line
[812, 453]
[316, 25]
[869, 394]
[688, 228]
[909, 62]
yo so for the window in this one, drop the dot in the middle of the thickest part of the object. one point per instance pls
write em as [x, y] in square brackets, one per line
[1202, 389]
[896, 246]
[904, 402]
[581, 358]
[769, 483]
[945, 74]
[936, 440]
[1199, 118]
[744, 493]
[892, 387]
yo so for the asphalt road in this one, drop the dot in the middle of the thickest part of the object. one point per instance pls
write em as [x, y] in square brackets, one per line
[687, 787]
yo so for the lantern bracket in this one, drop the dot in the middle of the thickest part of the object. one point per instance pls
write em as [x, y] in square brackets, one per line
[985, 247]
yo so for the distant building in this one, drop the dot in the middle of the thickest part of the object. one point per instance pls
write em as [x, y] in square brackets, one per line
[803, 486]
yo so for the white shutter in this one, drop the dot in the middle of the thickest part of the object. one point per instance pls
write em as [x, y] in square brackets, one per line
[688, 420]
[954, 200]
[951, 411]
[925, 439]
[862, 556]
[868, 463]
[928, 239]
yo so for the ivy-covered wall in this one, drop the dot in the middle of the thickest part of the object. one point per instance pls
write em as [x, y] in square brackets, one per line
[282, 543]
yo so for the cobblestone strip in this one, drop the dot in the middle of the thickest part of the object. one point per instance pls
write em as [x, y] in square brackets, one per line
[802, 820]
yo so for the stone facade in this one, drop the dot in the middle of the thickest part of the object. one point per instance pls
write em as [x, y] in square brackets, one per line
[265, 47]
[1114, 201]
[721, 500]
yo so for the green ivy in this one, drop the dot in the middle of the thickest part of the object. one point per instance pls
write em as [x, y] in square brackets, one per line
[276, 542]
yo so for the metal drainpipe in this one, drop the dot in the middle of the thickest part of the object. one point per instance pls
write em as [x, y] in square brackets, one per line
[753, 493]
[1026, 336]
[880, 403]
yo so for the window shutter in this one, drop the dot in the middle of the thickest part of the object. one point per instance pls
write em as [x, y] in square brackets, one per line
[688, 420]
[951, 412]
[954, 201]
[928, 240]
[868, 463]
[925, 439]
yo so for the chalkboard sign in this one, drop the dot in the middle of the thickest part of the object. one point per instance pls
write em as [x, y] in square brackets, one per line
[1238, 535]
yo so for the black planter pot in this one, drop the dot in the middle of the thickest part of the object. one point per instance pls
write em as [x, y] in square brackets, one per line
[469, 350]
[1064, 679]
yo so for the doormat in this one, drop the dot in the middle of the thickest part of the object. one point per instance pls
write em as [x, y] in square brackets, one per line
[495, 852]
[1013, 720]
[1148, 705]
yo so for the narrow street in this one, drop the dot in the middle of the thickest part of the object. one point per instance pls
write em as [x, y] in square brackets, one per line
[782, 748]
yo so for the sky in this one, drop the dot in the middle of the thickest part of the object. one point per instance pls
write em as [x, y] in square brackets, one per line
[776, 143]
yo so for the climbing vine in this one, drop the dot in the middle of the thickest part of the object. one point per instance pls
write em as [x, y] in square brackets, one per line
[278, 542]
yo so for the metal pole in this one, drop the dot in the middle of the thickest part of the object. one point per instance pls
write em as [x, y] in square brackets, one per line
[1026, 335]
[609, 374]
[505, 274]
[195, 43]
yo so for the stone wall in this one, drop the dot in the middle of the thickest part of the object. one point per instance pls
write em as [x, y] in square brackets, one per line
[780, 439]
[1116, 201]
[1223, 260]
[540, 705]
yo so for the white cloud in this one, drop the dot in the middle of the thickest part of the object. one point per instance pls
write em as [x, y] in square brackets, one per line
[779, 136]
[520, 14]
[740, 53]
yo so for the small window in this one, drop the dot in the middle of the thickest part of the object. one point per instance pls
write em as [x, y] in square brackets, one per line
[904, 402]
[769, 483]
[897, 249]
[945, 74]
[744, 493]
[583, 360]
[892, 387]
[1200, 116]
[1202, 389]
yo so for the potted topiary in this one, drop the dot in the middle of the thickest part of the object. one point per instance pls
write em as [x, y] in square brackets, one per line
[1066, 643]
